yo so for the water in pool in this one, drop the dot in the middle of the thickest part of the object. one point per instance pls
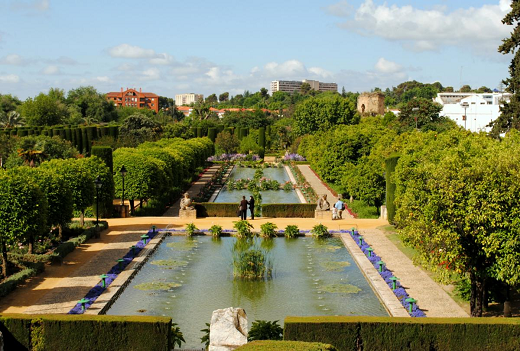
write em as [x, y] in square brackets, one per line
[188, 278]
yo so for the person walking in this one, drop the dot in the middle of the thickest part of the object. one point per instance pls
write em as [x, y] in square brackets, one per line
[243, 208]
[252, 206]
[339, 207]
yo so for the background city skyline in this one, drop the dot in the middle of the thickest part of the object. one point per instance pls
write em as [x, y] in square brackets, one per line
[207, 47]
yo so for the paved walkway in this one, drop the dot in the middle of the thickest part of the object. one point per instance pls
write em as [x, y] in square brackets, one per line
[195, 188]
[431, 298]
[320, 188]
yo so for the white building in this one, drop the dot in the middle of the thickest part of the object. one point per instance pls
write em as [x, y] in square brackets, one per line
[186, 99]
[290, 86]
[471, 110]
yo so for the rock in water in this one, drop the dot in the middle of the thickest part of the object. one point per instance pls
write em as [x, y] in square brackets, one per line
[228, 329]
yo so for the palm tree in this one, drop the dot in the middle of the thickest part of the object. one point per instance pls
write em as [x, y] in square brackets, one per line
[10, 119]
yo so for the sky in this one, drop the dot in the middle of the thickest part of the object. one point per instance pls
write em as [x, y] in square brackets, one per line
[171, 47]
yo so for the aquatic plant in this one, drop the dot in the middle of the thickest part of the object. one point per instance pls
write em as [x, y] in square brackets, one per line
[334, 266]
[291, 231]
[268, 230]
[251, 264]
[157, 286]
[205, 337]
[191, 229]
[216, 230]
[243, 229]
[340, 289]
[320, 231]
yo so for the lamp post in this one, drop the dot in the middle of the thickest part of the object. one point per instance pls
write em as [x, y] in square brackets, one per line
[98, 184]
[465, 105]
[123, 174]
[414, 110]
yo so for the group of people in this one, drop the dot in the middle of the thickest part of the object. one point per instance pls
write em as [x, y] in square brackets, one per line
[242, 208]
[337, 210]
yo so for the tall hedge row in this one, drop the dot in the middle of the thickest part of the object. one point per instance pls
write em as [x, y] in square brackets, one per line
[390, 164]
[160, 170]
[392, 333]
[83, 332]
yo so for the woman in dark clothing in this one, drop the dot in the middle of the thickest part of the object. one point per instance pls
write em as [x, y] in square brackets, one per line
[243, 208]
[252, 207]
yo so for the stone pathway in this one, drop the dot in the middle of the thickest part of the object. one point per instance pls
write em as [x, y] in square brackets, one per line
[319, 187]
[195, 188]
[431, 298]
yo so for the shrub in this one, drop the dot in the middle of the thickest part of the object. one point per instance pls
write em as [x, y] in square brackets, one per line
[268, 230]
[177, 337]
[205, 337]
[264, 330]
[216, 230]
[213, 209]
[243, 229]
[288, 210]
[291, 231]
[191, 229]
[251, 264]
[320, 231]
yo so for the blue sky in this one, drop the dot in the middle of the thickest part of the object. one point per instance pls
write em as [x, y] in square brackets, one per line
[202, 46]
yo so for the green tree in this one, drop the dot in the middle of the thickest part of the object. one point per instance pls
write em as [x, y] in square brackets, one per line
[226, 142]
[211, 99]
[80, 179]
[9, 103]
[305, 88]
[178, 130]
[465, 89]
[32, 150]
[57, 193]
[422, 114]
[322, 113]
[45, 110]
[223, 97]
[23, 212]
[10, 119]
[457, 196]
[137, 129]
[91, 104]
[510, 111]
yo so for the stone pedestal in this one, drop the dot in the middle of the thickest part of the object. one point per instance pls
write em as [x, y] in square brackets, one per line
[188, 214]
[228, 329]
[322, 214]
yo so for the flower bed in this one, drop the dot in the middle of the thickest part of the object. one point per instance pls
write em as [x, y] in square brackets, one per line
[294, 157]
[302, 184]
[399, 292]
[112, 274]
[216, 182]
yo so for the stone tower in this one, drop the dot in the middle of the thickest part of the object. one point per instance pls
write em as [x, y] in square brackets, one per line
[371, 103]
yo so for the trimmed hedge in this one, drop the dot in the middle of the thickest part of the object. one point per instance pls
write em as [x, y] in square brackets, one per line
[68, 246]
[83, 332]
[392, 333]
[213, 209]
[288, 210]
[268, 345]
[10, 283]
[390, 164]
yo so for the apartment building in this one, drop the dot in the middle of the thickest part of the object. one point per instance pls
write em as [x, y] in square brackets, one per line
[134, 98]
[290, 86]
[187, 99]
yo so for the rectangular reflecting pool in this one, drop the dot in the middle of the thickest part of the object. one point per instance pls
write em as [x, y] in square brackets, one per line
[188, 278]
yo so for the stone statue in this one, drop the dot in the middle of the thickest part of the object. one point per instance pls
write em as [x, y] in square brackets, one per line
[186, 202]
[323, 204]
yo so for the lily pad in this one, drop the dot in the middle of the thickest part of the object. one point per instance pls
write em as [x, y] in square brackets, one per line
[334, 266]
[327, 248]
[157, 286]
[183, 245]
[340, 289]
[170, 263]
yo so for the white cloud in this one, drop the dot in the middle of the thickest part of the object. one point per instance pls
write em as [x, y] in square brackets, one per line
[10, 78]
[103, 79]
[162, 59]
[13, 59]
[34, 5]
[125, 67]
[130, 51]
[64, 60]
[291, 68]
[385, 66]
[51, 70]
[427, 30]
[151, 74]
